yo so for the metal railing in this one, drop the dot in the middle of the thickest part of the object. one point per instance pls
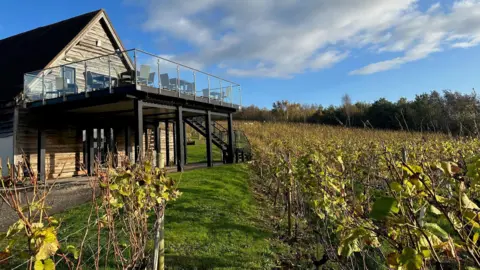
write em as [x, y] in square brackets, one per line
[131, 67]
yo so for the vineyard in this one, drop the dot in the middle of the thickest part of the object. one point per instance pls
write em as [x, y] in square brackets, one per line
[365, 199]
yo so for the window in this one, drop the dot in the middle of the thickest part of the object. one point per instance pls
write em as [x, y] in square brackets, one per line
[69, 75]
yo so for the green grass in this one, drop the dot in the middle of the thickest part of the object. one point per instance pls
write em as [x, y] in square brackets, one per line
[197, 153]
[216, 223]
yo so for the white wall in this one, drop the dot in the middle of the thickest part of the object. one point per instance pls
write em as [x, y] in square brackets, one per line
[6, 152]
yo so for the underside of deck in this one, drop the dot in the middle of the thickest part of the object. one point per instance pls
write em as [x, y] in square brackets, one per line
[122, 113]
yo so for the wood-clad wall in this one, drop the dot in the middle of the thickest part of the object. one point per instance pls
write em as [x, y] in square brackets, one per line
[96, 42]
[7, 124]
[64, 147]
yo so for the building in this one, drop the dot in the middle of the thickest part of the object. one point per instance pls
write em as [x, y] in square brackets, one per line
[72, 93]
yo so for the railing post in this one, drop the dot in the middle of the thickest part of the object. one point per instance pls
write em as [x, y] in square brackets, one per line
[178, 80]
[135, 65]
[240, 92]
[43, 87]
[194, 86]
[110, 75]
[159, 81]
[208, 77]
[86, 80]
[64, 80]
[221, 93]
[231, 95]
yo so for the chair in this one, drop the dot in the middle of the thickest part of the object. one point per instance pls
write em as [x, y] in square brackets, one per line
[126, 77]
[91, 84]
[228, 94]
[59, 83]
[205, 93]
[151, 78]
[190, 88]
[166, 82]
[144, 74]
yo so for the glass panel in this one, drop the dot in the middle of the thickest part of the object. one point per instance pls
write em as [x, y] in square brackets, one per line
[215, 90]
[201, 85]
[126, 68]
[147, 69]
[168, 75]
[185, 81]
[97, 74]
[122, 65]
[33, 86]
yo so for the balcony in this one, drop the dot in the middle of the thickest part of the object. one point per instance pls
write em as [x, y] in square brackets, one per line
[146, 72]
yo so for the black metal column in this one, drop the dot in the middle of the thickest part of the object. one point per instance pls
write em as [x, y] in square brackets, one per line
[41, 141]
[128, 148]
[175, 146]
[158, 145]
[208, 138]
[90, 151]
[184, 141]
[231, 138]
[138, 110]
[167, 144]
[179, 139]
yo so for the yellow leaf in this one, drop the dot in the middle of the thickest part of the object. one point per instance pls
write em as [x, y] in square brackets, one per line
[38, 265]
[475, 238]
[46, 250]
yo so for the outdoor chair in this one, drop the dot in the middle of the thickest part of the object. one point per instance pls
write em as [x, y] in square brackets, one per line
[151, 78]
[91, 84]
[228, 94]
[144, 74]
[166, 82]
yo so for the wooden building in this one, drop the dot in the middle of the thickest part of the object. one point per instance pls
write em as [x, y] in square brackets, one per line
[72, 93]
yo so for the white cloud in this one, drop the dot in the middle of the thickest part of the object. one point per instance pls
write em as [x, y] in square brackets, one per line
[281, 38]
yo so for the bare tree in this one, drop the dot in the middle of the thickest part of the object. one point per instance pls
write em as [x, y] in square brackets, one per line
[347, 107]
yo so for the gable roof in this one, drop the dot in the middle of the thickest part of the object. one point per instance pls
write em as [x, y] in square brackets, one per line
[38, 48]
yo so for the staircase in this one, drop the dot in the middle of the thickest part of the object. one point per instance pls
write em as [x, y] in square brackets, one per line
[220, 138]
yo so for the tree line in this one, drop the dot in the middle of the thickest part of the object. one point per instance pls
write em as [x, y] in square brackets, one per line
[449, 111]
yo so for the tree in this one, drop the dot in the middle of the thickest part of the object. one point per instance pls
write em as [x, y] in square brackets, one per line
[347, 107]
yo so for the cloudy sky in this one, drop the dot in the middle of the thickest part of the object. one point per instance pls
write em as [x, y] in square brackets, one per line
[308, 51]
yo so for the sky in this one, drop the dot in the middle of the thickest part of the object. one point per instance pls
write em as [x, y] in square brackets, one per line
[305, 51]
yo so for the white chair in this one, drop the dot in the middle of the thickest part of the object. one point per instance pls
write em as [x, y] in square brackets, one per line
[144, 74]
[59, 83]
[228, 94]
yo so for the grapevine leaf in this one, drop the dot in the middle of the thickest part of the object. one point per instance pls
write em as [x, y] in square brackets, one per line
[15, 227]
[395, 186]
[384, 206]
[73, 250]
[38, 265]
[437, 230]
[49, 264]
[434, 210]
[410, 259]
[475, 238]
[467, 203]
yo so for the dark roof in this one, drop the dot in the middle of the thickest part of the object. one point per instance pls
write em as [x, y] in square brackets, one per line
[34, 50]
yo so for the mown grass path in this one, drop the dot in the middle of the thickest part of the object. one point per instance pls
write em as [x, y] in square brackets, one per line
[216, 223]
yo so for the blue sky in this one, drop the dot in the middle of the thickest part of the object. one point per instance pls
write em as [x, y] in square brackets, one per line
[307, 51]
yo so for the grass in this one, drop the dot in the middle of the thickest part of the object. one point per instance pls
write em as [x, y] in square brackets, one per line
[197, 153]
[216, 223]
